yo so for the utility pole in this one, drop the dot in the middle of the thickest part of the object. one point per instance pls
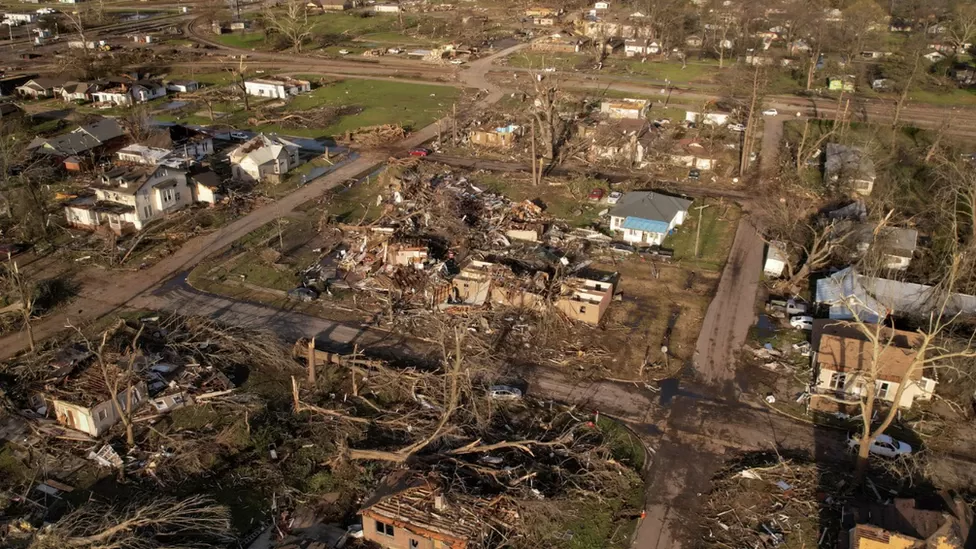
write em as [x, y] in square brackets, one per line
[534, 179]
[454, 128]
[698, 231]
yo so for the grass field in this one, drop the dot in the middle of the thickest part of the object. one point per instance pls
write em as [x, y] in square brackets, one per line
[413, 106]
[718, 222]
[343, 27]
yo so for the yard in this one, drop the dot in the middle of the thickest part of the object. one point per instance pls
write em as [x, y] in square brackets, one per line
[337, 28]
[718, 221]
[376, 102]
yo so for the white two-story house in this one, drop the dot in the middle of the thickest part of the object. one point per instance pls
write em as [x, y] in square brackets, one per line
[127, 198]
[125, 95]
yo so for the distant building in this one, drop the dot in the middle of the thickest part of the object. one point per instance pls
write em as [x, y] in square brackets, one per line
[386, 8]
[141, 154]
[182, 86]
[560, 42]
[634, 47]
[277, 87]
[124, 94]
[644, 217]
[842, 83]
[708, 118]
[625, 108]
[849, 165]
[38, 88]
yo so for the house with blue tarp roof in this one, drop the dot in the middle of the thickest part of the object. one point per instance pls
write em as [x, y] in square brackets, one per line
[645, 217]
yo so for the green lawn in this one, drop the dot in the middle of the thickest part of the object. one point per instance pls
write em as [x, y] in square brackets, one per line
[247, 40]
[413, 106]
[345, 26]
[221, 78]
[718, 224]
[566, 201]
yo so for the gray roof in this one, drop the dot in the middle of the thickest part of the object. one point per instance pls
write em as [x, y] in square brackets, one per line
[650, 205]
[81, 139]
[895, 241]
[875, 298]
[845, 162]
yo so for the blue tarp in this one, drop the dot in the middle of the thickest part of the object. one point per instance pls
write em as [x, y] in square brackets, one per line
[645, 225]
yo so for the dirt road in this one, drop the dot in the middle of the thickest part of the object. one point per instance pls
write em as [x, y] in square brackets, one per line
[731, 311]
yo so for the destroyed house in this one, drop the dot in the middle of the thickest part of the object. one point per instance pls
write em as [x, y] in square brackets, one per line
[411, 512]
[902, 525]
[472, 286]
[620, 141]
[843, 361]
[586, 297]
[895, 245]
[281, 87]
[264, 158]
[625, 108]
[83, 401]
[849, 166]
[501, 137]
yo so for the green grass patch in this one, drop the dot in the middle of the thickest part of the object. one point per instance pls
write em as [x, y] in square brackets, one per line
[626, 448]
[564, 200]
[413, 106]
[221, 78]
[718, 224]
[700, 72]
[247, 40]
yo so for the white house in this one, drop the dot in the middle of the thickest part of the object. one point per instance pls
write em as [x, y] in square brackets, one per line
[20, 18]
[182, 86]
[141, 154]
[77, 91]
[386, 8]
[634, 47]
[264, 158]
[708, 118]
[843, 358]
[277, 87]
[625, 108]
[644, 217]
[125, 95]
[601, 5]
[775, 260]
[127, 198]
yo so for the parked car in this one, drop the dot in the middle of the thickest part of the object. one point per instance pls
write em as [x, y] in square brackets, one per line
[694, 173]
[737, 127]
[419, 151]
[457, 61]
[239, 136]
[802, 322]
[655, 251]
[504, 392]
[621, 248]
[770, 112]
[614, 197]
[596, 195]
[9, 250]
[884, 445]
[343, 52]
[303, 294]
[549, 69]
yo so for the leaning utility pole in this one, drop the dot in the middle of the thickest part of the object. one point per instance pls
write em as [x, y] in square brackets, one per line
[698, 231]
[534, 179]
[454, 128]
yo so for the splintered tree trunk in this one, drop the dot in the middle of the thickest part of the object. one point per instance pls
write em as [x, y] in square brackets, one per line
[861, 464]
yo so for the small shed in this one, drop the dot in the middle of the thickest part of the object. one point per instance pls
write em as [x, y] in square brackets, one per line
[775, 260]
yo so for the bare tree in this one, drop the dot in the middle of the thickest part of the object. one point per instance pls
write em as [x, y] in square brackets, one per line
[118, 379]
[962, 28]
[240, 80]
[25, 291]
[291, 22]
[932, 347]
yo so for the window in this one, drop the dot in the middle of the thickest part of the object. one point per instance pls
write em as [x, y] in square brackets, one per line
[582, 310]
[177, 195]
[384, 529]
[838, 381]
[883, 388]
[146, 211]
[101, 415]
[414, 544]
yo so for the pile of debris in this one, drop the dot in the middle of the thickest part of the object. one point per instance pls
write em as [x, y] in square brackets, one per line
[374, 136]
[763, 501]
[321, 117]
